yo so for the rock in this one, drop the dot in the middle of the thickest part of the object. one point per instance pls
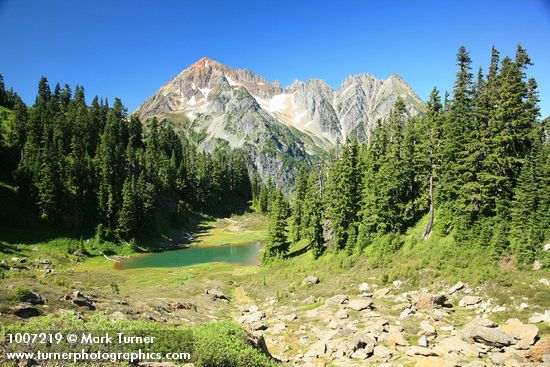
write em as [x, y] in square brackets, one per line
[539, 317]
[486, 322]
[363, 287]
[423, 341]
[505, 358]
[537, 265]
[333, 324]
[383, 292]
[540, 350]
[420, 351]
[33, 298]
[118, 316]
[256, 339]
[253, 308]
[217, 294]
[25, 310]
[258, 325]
[252, 317]
[427, 329]
[19, 260]
[429, 301]
[317, 350]
[342, 314]
[35, 249]
[544, 281]
[523, 306]
[289, 318]
[455, 288]
[456, 345]
[495, 337]
[27, 363]
[395, 338]
[382, 352]
[44, 262]
[359, 354]
[407, 312]
[546, 246]
[400, 306]
[278, 327]
[397, 283]
[338, 299]
[310, 300]
[527, 334]
[498, 309]
[432, 362]
[367, 342]
[79, 299]
[311, 280]
[469, 301]
[180, 306]
[360, 304]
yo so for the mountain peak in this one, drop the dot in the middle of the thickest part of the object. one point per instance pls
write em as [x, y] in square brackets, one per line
[205, 62]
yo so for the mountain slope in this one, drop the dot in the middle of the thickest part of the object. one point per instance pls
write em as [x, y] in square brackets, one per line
[280, 128]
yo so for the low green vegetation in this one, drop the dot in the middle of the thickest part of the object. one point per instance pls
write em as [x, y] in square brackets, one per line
[214, 344]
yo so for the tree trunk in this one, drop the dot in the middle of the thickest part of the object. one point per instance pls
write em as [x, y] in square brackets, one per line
[428, 229]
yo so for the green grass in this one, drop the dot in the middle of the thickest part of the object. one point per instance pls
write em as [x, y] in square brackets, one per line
[246, 228]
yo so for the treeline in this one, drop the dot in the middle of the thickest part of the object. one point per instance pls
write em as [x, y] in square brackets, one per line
[93, 165]
[477, 164]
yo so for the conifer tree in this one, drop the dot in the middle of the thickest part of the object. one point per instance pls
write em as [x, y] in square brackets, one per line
[277, 243]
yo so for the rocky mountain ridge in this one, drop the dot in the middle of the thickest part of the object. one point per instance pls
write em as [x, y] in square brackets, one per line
[279, 127]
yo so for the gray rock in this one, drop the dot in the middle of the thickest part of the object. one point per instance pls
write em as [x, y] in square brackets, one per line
[469, 301]
[427, 329]
[360, 304]
[317, 350]
[338, 299]
[311, 280]
[24, 310]
[363, 287]
[80, 300]
[33, 298]
[359, 354]
[526, 334]
[456, 345]
[252, 317]
[342, 314]
[382, 352]
[423, 341]
[289, 317]
[420, 351]
[539, 317]
[494, 337]
[217, 294]
[383, 292]
[455, 288]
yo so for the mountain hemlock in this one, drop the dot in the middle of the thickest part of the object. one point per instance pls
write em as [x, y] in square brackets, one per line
[477, 165]
[93, 165]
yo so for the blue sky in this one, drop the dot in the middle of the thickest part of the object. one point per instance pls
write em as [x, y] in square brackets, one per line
[128, 49]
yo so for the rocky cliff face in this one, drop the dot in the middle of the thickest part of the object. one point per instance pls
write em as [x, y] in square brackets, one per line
[281, 128]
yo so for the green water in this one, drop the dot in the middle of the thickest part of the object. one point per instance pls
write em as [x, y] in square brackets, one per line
[238, 254]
